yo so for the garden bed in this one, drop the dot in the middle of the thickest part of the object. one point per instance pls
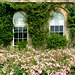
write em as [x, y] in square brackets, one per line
[37, 62]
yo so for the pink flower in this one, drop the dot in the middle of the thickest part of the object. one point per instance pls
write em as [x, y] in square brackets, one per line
[42, 54]
[33, 50]
[39, 56]
[36, 59]
[20, 68]
[4, 71]
[11, 73]
[7, 64]
[40, 71]
[32, 72]
[24, 56]
[57, 73]
[16, 60]
[52, 59]
[38, 62]
[5, 58]
[38, 52]
[51, 67]
[12, 56]
[57, 65]
[30, 57]
[63, 71]
[36, 67]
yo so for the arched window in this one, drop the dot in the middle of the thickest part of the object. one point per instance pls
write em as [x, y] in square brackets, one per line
[57, 23]
[20, 27]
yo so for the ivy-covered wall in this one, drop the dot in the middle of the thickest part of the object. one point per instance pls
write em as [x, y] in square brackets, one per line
[37, 19]
[37, 16]
[71, 21]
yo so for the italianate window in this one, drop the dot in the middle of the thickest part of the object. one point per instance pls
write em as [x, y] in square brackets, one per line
[20, 27]
[57, 24]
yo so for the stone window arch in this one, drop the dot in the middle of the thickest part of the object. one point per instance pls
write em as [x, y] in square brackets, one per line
[64, 12]
[57, 23]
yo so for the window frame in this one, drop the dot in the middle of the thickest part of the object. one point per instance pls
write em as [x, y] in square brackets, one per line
[56, 25]
[18, 31]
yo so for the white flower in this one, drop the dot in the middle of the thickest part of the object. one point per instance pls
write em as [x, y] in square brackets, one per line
[11, 73]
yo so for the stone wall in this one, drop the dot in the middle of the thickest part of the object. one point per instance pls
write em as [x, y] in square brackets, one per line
[40, 0]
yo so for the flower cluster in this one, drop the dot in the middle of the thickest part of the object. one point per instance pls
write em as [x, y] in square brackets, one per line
[32, 62]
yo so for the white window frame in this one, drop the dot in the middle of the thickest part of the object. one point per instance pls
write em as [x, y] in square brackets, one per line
[18, 32]
[56, 25]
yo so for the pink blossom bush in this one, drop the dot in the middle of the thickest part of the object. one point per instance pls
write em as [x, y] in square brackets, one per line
[32, 62]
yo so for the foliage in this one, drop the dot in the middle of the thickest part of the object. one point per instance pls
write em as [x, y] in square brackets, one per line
[6, 26]
[71, 20]
[73, 44]
[37, 17]
[33, 62]
[21, 45]
[56, 41]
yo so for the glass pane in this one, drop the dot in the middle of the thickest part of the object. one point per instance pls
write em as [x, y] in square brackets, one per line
[56, 28]
[61, 22]
[20, 29]
[61, 28]
[24, 29]
[15, 29]
[61, 33]
[52, 22]
[20, 39]
[24, 39]
[15, 21]
[15, 35]
[20, 35]
[52, 28]
[15, 41]
[56, 21]
[19, 19]
[24, 35]
[60, 16]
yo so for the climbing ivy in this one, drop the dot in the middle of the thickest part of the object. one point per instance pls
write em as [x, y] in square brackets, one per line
[6, 26]
[38, 15]
[71, 20]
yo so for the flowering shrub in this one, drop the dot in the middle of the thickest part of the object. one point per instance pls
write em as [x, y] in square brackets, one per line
[33, 62]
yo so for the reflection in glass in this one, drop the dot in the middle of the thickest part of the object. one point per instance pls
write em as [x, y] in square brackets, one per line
[56, 28]
[15, 29]
[61, 33]
[15, 35]
[24, 28]
[20, 39]
[52, 28]
[25, 39]
[61, 28]
[24, 35]
[20, 29]
[56, 21]
[20, 35]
